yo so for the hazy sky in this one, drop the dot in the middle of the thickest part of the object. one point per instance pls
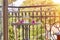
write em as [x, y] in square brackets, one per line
[17, 3]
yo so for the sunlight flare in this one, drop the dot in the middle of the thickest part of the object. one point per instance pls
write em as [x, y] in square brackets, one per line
[56, 1]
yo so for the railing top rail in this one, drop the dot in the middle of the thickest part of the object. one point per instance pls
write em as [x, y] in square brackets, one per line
[30, 6]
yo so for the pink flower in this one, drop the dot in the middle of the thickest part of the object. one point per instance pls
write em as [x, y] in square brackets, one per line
[33, 22]
[21, 21]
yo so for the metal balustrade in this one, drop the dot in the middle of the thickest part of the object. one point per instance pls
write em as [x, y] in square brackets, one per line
[33, 22]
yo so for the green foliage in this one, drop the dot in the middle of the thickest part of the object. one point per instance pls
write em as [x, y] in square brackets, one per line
[11, 33]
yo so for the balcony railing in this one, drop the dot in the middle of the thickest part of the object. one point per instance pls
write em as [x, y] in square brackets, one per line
[33, 22]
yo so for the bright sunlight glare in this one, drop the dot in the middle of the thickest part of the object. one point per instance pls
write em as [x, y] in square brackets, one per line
[56, 1]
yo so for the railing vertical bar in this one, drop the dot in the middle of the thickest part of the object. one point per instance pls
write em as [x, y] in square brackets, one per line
[26, 28]
[13, 26]
[50, 24]
[29, 26]
[15, 19]
[32, 24]
[41, 21]
[45, 24]
[37, 27]
[18, 20]
[54, 20]
[29, 32]
[46, 31]
[37, 32]
[22, 27]
[26, 32]
[12, 16]
[18, 14]
[22, 32]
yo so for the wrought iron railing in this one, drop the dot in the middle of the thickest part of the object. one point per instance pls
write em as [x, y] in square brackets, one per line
[32, 22]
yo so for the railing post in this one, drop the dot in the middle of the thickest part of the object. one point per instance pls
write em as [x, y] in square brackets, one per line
[5, 19]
